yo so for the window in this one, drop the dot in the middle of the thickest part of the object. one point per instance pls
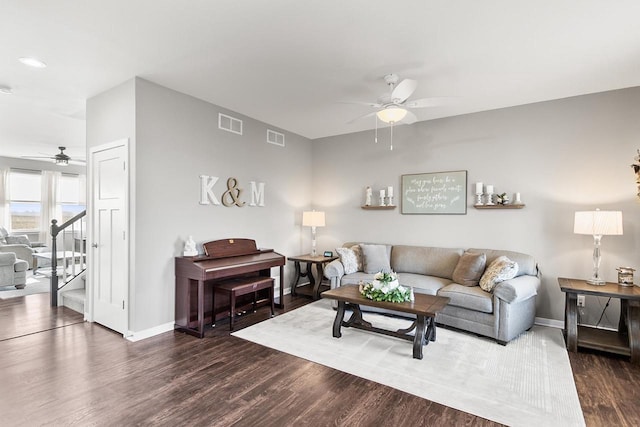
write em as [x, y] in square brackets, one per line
[25, 203]
[71, 196]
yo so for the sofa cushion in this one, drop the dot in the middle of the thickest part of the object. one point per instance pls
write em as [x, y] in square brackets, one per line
[375, 258]
[526, 263]
[470, 268]
[501, 269]
[429, 261]
[356, 278]
[348, 260]
[469, 297]
[423, 284]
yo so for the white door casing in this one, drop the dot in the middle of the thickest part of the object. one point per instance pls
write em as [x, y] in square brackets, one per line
[109, 235]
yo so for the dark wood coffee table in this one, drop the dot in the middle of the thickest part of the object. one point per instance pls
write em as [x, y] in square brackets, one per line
[425, 308]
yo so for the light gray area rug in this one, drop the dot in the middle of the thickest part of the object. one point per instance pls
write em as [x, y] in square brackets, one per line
[35, 285]
[527, 383]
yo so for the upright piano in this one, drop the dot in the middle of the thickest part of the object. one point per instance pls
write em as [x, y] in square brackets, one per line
[223, 259]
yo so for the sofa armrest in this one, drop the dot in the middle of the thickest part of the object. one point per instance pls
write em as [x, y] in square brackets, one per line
[7, 258]
[334, 270]
[517, 289]
[20, 265]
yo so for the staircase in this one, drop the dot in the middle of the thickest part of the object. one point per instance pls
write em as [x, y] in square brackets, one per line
[68, 267]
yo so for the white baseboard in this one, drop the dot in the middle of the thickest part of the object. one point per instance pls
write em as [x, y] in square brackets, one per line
[148, 333]
[542, 321]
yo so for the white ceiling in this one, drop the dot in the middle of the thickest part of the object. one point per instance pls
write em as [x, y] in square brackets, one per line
[289, 62]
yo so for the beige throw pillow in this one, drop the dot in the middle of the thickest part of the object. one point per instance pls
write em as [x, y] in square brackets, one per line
[348, 260]
[501, 269]
[470, 268]
[357, 250]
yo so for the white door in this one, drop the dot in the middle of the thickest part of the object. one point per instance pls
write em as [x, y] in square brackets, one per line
[109, 237]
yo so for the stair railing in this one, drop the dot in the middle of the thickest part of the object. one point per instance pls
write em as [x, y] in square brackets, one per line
[73, 263]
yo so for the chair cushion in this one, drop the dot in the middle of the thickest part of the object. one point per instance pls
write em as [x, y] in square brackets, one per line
[469, 297]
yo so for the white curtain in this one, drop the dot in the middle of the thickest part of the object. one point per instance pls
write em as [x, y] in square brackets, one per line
[5, 216]
[51, 208]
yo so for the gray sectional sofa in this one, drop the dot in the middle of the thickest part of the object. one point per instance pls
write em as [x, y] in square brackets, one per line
[502, 314]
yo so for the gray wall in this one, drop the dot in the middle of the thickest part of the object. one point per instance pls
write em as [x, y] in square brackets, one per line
[176, 140]
[562, 156]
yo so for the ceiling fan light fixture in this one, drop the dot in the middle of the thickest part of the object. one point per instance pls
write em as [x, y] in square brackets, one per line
[391, 114]
[62, 162]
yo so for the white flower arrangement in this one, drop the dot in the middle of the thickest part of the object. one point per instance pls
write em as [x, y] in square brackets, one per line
[385, 287]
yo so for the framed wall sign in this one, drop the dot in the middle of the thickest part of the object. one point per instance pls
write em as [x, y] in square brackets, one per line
[435, 193]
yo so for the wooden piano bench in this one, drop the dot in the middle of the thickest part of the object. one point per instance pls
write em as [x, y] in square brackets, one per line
[239, 286]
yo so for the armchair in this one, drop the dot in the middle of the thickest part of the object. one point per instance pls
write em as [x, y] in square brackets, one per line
[21, 246]
[13, 271]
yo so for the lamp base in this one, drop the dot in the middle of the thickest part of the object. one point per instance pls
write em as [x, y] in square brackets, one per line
[596, 281]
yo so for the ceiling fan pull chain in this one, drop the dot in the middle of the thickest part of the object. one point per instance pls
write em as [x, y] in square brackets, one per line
[376, 137]
[391, 147]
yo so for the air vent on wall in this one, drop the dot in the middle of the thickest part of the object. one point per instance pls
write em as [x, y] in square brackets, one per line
[274, 137]
[229, 123]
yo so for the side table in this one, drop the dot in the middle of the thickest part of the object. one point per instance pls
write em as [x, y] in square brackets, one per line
[319, 261]
[625, 341]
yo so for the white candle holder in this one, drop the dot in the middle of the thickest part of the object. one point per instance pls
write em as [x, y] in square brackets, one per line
[489, 199]
[382, 201]
[390, 201]
[478, 199]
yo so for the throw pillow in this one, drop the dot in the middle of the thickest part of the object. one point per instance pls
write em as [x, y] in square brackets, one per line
[501, 269]
[357, 250]
[375, 258]
[18, 239]
[469, 269]
[348, 260]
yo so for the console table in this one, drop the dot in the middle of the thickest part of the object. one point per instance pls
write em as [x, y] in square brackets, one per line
[624, 341]
[319, 261]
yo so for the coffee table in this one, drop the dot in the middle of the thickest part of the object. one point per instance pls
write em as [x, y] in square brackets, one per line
[425, 308]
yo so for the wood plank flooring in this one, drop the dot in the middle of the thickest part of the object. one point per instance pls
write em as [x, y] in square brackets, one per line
[76, 373]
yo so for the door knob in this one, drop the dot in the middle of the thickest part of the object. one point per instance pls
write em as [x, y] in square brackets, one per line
[94, 245]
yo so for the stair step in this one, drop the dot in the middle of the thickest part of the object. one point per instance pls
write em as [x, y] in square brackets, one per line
[74, 299]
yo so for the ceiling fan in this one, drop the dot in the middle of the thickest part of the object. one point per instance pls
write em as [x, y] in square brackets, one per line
[393, 107]
[59, 159]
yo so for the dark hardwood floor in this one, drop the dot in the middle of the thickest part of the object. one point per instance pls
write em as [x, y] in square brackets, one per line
[58, 370]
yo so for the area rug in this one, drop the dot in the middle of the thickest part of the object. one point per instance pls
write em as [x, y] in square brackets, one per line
[35, 285]
[529, 382]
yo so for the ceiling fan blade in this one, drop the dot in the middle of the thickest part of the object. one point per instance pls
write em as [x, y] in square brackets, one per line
[373, 113]
[78, 162]
[425, 102]
[409, 118]
[38, 157]
[404, 90]
[368, 104]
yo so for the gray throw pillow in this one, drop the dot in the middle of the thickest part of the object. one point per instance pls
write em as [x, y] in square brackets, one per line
[375, 258]
[469, 269]
[18, 239]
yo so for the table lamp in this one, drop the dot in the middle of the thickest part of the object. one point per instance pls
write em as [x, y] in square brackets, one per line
[597, 223]
[313, 219]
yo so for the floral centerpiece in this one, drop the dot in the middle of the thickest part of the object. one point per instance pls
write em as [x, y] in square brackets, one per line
[385, 287]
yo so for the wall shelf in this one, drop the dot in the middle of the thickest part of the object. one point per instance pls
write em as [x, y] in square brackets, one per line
[520, 206]
[378, 208]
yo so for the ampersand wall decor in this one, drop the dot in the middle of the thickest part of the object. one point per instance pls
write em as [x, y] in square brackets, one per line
[232, 195]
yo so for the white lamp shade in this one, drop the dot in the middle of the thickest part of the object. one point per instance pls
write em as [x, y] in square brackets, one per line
[313, 219]
[392, 114]
[598, 223]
